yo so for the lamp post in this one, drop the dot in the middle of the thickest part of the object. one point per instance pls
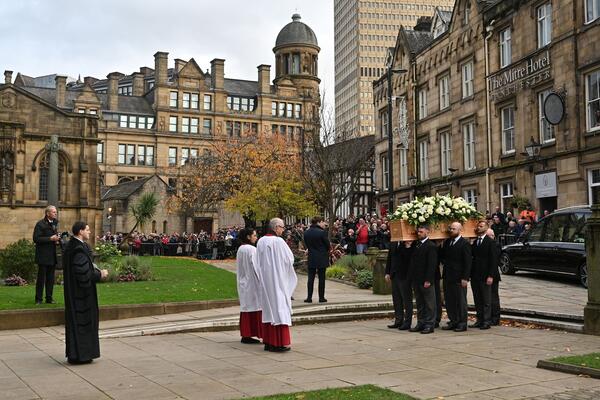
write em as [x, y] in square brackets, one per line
[532, 151]
[390, 160]
[412, 181]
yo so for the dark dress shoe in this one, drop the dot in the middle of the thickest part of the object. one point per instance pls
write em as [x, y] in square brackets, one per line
[394, 326]
[322, 300]
[416, 329]
[437, 325]
[404, 327]
[460, 328]
[38, 302]
[268, 347]
[427, 330]
[280, 349]
[249, 340]
[50, 301]
[308, 300]
[484, 326]
[449, 327]
[476, 325]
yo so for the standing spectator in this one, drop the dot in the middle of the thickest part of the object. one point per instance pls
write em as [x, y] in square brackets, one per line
[498, 226]
[46, 238]
[317, 244]
[350, 240]
[373, 235]
[384, 237]
[362, 236]
[500, 215]
[528, 214]
[248, 288]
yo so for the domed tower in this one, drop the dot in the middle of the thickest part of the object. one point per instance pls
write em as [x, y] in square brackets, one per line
[296, 57]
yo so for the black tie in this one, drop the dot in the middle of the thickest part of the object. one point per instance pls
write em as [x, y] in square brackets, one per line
[479, 242]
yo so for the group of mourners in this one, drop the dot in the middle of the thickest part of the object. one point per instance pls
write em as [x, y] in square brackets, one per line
[414, 267]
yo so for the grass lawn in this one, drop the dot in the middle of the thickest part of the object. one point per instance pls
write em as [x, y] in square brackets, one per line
[591, 360]
[176, 279]
[367, 392]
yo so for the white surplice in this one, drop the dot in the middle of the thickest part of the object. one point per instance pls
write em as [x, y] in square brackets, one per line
[275, 266]
[248, 286]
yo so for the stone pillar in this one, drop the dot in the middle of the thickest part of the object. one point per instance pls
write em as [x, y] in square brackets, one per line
[161, 73]
[61, 90]
[591, 312]
[380, 286]
[8, 77]
[264, 78]
[138, 84]
[113, 90]
[217, 74]
[53, 184]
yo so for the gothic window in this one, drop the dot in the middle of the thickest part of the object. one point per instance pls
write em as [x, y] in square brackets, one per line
[7, 164]
[44, 175]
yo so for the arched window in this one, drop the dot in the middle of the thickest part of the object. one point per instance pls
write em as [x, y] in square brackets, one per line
[7, 166]
[164, 227]
[123, 179]
[154, 226]
[44, 175]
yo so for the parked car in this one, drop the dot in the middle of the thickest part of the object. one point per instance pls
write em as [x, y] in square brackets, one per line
[556, 245]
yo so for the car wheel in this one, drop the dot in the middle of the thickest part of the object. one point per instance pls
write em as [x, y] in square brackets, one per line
[506, 266]
[582, 275]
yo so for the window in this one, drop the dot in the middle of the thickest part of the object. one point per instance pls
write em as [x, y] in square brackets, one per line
[592, 10]
[229, 128]
[506, 194]
[141, 152]
[273, 108]
[172, 124]
[185, 125]
[468, 131]
[281, 110]
[125, 90]
[149, 122]
[593, 183]
[150, 155]
[544, 24]
[130, 160]
[403, 157]
[237, 129]
[422, 103]
[444, 85]
[383, 115]
[508, 130]
[123, 121]
[207, 126]
[43, 179]
[173, 99]
[467, 79]
[592, 93]
[470, 196]
[283, 130]
[121, 157]
[132, 122]
[81, 110]
[194, 101]
[466, 14]
[185, 102]
[207, 102]
[193, 154]
[505, 48]
[274, 129]
[298, 111]
[100, 153]
[384, 172]
[185, 155]
[172, 156]
[423, 160]
[194, 125]
[141, 123]
[289, 110]
[93, 111]
[254, 128]
[445, 153]
[546, 129]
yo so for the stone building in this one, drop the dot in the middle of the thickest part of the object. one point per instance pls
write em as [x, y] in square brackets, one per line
[155, 120]
[457, 132]
[27, 121]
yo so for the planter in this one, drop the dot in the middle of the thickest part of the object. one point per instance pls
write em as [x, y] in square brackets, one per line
[402, 230]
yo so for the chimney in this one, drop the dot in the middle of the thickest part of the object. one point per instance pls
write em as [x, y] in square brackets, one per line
[179, 64]
[113, 86]
[264, 78]
[138, 84]
[89, 80]
[8, 76]
[161, 59]
[61, 89]
[146, 71]
[423, 24]
[217, 74]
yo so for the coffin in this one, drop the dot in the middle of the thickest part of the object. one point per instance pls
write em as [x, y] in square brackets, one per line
[402, 230]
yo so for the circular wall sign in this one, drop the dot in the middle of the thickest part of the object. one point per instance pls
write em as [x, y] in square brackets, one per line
[554, 108]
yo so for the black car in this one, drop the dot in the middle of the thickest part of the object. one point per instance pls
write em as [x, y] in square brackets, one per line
[556, 245]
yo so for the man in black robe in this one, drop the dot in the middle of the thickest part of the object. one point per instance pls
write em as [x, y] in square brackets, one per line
[81, 300]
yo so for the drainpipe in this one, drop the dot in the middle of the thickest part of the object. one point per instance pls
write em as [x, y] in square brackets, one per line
[489, 31]
[415, 114]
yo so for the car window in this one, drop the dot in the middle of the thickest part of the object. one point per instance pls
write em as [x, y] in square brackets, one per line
[557, 228]
[535, 235]
[577, 227]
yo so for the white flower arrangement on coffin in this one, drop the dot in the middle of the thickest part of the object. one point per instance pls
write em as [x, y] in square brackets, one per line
[433, 210]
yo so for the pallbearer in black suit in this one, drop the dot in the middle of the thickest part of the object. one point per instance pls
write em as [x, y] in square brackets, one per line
[396, 272]
[485, 260]
[317, 244]
[423, 262]
[457, 258]
[495, 294]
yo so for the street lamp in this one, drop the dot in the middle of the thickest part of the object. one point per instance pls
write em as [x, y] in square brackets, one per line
[532, 151]
[390, 72]
[412, 181]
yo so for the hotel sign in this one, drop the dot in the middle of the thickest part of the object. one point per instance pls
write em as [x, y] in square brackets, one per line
[522, 75]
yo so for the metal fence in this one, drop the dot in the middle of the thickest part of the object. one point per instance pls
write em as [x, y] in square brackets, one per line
[206, 250]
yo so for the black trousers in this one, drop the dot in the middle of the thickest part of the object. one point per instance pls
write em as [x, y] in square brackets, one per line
[403, 300]
[495, 303]
[438, 301]
[45, 277]
[456, 302]
[426, 307]
[312, 272]
[482, 294]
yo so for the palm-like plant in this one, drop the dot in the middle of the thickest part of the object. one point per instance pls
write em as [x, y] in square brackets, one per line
[143, 211]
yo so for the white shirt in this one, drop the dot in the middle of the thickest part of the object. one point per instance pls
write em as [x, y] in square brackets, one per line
[248, 286]
[456, 240]
[275, 266]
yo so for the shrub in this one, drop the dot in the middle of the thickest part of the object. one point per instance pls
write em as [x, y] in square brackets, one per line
[364, 279]
[15, 280]
[106, 251]
[127, 269]
[18, 259]
[354, 263]
[337, 271]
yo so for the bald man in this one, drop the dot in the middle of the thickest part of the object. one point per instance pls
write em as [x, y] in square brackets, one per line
[457, 258]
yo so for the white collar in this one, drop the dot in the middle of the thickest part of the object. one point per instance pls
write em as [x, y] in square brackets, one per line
[78, 239]
[457, 239]
[424, 240]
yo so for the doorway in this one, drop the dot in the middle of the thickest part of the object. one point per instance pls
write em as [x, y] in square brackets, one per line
[547, 203]
[203, 224]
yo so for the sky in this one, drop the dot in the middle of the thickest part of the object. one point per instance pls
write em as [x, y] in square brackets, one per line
[96, 37]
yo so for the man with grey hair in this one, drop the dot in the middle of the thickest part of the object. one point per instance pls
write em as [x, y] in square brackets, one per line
[46, 238]
[275, 269]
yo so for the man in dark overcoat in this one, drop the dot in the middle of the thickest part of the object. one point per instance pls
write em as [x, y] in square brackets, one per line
[396, 272]
[46, 238]
[485, 261]
[317, 244]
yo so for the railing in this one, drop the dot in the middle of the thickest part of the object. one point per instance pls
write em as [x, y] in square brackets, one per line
[205, 250]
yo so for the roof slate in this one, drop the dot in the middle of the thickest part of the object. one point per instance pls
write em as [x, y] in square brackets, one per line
[122, 191]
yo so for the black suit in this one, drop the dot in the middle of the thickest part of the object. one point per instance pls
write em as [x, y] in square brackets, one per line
[457, 259]
[495, 295]
[423, 263]
[317, 243]
[45, 257]
[397, 265]
[485, 262]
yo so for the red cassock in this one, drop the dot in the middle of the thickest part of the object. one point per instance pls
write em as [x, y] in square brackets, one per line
[276, 335]
[251, 324]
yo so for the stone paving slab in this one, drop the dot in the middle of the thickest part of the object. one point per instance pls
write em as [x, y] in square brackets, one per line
[495, 364]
